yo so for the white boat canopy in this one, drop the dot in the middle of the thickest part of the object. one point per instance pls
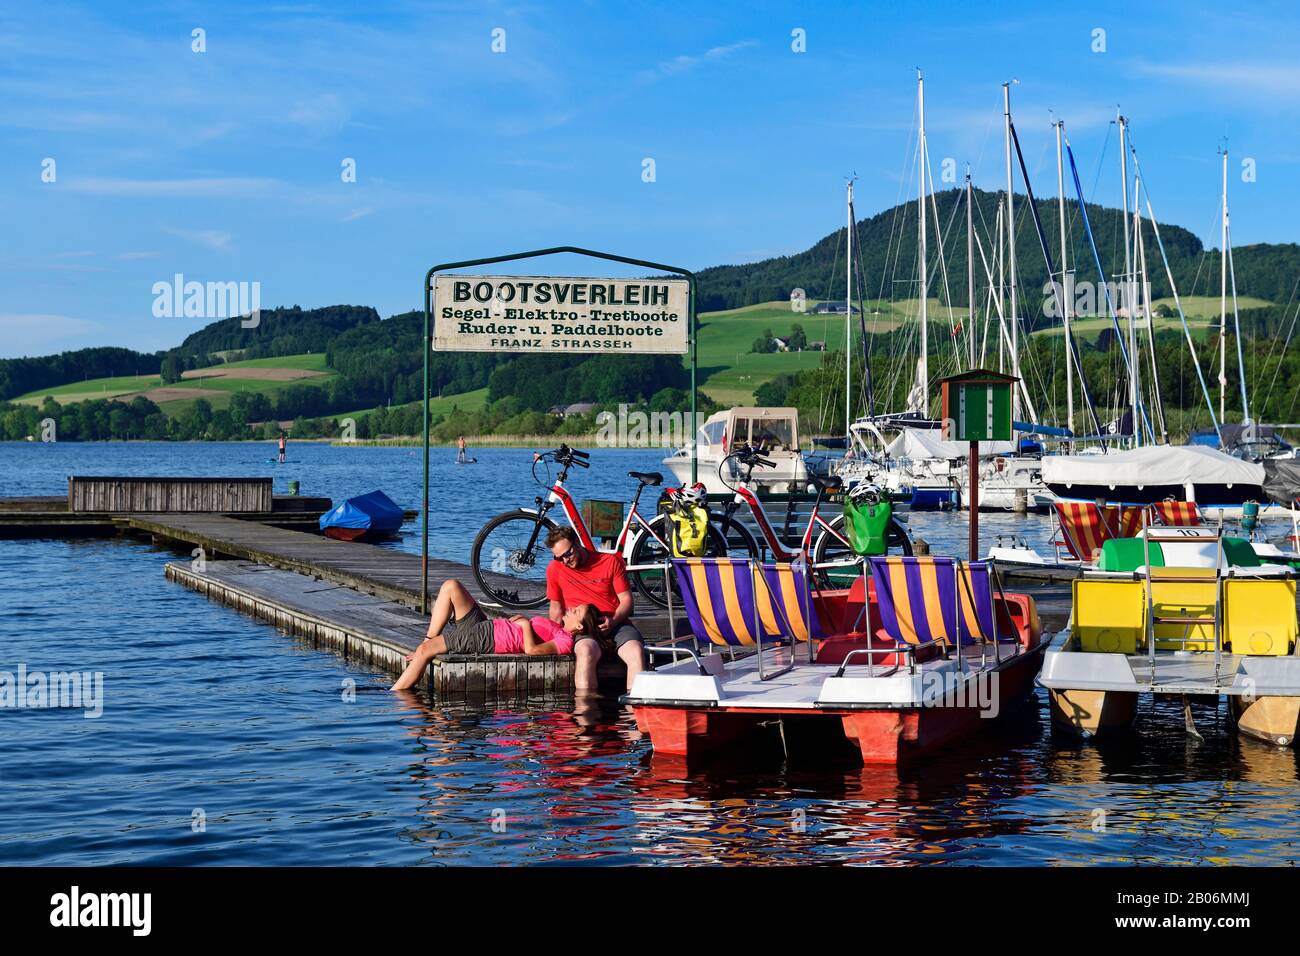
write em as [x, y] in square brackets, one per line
[1152, 465]
[919, 443]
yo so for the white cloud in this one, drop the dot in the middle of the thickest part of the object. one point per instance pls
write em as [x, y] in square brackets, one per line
[356, 214]
[684, 63]
[43, 333]
[228, 186]
[1276, 79]
[211, 238]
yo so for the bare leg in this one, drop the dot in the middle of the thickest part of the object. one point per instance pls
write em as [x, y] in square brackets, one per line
[426, 652]
[452, 598]
[633, 655]
[588, 656]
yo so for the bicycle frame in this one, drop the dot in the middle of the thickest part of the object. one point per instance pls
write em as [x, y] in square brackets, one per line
[626, 536]
[744, 496]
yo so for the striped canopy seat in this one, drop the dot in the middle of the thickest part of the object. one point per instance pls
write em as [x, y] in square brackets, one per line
[733, 602]
[1084, 527]
[1177, 514]
[939, 602]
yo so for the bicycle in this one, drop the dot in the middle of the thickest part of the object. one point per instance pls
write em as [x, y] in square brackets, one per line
[514, 575]
[831, 549]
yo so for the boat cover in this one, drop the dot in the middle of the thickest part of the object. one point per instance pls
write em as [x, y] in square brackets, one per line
[915, 443]
[1282, 479]
[373, 511]
[1152, 465]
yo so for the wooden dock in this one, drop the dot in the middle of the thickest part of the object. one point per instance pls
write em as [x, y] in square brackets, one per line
[370, 630]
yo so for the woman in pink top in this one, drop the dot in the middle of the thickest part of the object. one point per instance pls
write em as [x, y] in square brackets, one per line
[459, 626]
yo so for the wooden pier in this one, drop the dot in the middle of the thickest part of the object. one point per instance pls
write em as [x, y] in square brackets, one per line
[370, 630]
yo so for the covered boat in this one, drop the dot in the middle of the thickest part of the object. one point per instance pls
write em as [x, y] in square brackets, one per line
[1145, 475]
[372, 515]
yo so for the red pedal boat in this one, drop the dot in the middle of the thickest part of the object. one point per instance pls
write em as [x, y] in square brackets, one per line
[907, 660]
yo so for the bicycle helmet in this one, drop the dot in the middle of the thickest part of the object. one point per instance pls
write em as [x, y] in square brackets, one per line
[865, 493]
[693, 495]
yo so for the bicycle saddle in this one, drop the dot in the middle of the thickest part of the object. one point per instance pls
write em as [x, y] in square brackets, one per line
[647, 477]
[830, 483]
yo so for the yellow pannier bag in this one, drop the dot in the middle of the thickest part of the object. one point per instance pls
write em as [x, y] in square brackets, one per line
[688, 531]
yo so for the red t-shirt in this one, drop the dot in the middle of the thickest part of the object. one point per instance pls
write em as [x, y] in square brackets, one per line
[598, 582]
[508, 637]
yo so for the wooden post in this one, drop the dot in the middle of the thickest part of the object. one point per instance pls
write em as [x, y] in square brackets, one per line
[974, 501]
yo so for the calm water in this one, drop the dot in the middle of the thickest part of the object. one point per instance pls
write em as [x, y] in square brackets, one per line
[288, 755]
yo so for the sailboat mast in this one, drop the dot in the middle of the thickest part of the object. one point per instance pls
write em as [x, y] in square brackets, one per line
[1066, 292]
[1144, 285]
[848, 323]
[1128, 283]
[1011, 254]
[970, 265]
[923, 364]
[1223, 296]
[1002, 287]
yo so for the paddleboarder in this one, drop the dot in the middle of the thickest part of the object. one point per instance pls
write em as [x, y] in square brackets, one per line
[282, 444]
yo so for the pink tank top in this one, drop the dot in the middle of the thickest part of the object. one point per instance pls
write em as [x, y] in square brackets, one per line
[508, 637]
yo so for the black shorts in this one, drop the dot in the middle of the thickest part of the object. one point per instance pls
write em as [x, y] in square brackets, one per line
[473, 634]
[626, 632]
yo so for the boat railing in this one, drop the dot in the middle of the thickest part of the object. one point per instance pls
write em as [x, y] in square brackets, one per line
[870, 652]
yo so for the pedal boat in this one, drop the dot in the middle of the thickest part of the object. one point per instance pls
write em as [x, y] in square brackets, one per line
[916, 654]
[1181, 611]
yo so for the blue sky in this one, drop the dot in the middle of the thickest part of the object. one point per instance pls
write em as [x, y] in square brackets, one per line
[225, 165]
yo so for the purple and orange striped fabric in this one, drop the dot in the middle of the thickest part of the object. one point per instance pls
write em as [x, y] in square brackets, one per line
[731, 601]
[929, 599]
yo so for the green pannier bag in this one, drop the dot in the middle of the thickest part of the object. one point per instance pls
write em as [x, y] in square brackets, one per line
[688, 530]
[867, 526]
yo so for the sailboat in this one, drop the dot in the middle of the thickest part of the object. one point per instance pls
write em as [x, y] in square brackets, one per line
[905, 451]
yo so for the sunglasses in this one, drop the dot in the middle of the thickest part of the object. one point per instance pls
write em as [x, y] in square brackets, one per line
[571, 553]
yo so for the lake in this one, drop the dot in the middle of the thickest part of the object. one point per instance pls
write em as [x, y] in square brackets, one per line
[222, 741]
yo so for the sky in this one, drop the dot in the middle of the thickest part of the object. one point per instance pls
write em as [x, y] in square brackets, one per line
[478, 129]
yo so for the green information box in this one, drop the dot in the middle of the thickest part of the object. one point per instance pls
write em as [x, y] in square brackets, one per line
[977, 406]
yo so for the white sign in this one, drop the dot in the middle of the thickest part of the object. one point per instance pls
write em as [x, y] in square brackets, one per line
[798, 300]
[560, 314]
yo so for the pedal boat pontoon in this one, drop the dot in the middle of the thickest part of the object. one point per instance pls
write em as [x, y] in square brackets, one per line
[1181, 611]
[902, 662]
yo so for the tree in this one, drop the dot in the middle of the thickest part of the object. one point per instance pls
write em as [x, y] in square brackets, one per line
[171, 370]
[798, 340]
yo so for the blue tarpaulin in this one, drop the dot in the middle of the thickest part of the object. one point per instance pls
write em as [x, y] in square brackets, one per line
[374, 513]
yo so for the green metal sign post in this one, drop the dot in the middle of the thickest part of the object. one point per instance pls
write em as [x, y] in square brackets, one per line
[533, 254]
[976, 407]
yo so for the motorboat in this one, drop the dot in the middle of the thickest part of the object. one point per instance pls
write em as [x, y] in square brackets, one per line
[775, 429]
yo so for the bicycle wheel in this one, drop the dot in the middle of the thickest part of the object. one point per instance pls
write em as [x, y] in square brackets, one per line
[509, 559]
[740, 541]
[646, 550]
[832, 548]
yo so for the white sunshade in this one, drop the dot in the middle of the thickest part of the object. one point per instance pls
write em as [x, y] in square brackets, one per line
[1153, 465]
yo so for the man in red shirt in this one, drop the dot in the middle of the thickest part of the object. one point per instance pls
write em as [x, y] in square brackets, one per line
[578, 576]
